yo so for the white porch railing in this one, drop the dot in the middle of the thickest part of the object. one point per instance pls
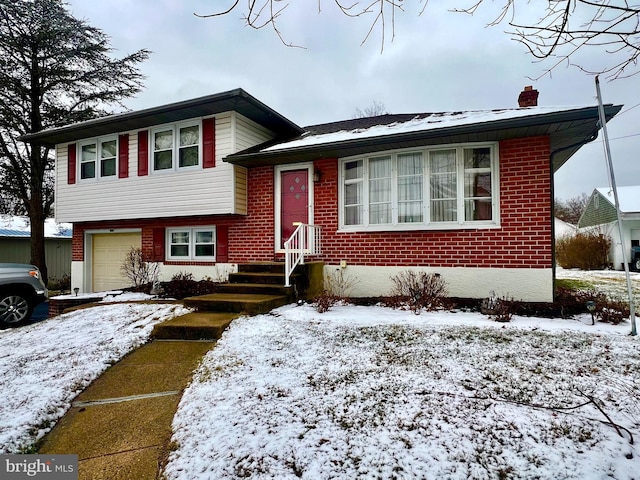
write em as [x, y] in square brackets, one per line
[304, 241]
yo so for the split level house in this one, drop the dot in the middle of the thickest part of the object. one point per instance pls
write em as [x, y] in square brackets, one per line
[601, 215]
[206, 184]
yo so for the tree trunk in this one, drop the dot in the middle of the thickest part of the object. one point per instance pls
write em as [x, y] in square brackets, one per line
[37, 218]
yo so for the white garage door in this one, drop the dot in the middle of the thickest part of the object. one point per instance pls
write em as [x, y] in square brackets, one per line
[109, 251]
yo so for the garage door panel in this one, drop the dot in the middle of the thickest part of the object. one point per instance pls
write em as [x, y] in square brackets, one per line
[109, 252]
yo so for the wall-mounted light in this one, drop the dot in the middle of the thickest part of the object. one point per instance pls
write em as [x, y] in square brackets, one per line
[317, 175]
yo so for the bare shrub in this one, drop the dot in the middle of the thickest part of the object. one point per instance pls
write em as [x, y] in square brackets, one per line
[337, 287]
[612, 311]
[138, 268]
[500, 309]
[183, 285]
[420, 290]
[584, 250]
[61, 284]
[324, 302]
[572, 301]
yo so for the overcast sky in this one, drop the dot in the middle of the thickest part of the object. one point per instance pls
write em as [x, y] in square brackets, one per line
[438, 61]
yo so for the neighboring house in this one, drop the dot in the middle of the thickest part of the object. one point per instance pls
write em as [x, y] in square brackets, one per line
[15, 244]
[601, 213]
[208, 183]
[564, 229]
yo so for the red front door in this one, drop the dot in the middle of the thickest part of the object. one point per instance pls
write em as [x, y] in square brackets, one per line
[294, 201]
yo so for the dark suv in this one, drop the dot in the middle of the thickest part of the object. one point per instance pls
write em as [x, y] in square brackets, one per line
[635, 258]
[21, 289]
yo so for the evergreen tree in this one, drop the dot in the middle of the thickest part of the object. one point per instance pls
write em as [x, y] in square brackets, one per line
[54, 70]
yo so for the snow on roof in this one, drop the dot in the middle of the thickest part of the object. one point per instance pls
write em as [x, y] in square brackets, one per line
[563, 229]
[419, 122]
[628, 197]
[14, 226]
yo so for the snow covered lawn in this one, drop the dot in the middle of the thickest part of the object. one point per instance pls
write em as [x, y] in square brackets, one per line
[369, 392]
[612, 283]
[43, 366]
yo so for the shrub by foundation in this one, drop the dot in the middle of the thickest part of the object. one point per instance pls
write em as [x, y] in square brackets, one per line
[419, 290]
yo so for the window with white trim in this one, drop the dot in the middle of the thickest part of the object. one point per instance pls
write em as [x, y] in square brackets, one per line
[175, 146]
[191, 243]
[431, 188]
[98, 158]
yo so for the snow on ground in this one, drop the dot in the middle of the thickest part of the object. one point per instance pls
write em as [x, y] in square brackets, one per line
[43, 366]
[613, 283]
[369, 392]
[358, 392]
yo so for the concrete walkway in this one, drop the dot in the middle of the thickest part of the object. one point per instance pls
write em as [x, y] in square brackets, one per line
[120, 426]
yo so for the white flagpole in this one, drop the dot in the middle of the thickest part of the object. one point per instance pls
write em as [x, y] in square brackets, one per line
[603, 125]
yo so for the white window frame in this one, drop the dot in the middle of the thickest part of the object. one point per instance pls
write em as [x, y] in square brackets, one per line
[175, 147]
[98, 160]
[426, 224]
[192, 231]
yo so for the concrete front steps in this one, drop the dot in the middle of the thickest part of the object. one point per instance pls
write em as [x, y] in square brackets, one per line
[255, 288]
[194, 326]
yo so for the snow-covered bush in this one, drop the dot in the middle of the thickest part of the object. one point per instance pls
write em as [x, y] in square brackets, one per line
[612, 311]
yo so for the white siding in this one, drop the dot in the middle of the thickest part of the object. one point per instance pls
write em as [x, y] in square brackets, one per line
[630, 230]
[240, 191]
[249, 133]
[200, 191]
[225, 144]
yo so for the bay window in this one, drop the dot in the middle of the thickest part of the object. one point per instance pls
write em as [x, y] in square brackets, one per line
[191, 243]
[429, 188]
[175, 146]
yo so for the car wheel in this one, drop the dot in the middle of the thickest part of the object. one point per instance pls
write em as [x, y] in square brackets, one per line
[637, 264]
[14, 308]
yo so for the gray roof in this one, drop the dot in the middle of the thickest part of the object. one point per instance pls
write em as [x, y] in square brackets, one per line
[568, 128]
[234, 100]
[8, 232]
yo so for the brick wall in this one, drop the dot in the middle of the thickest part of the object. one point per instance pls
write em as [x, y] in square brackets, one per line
[147, 227]
[253, 238]
[523, 241]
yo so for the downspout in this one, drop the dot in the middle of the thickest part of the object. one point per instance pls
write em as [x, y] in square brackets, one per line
[577, 145]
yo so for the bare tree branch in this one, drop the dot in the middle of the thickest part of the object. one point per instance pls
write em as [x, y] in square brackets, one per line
[561, 29]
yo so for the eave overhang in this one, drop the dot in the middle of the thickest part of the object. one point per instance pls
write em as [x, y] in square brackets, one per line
[568, 130]
[234, 100]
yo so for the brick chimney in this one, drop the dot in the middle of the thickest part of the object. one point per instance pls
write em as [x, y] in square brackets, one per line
[528, 97]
